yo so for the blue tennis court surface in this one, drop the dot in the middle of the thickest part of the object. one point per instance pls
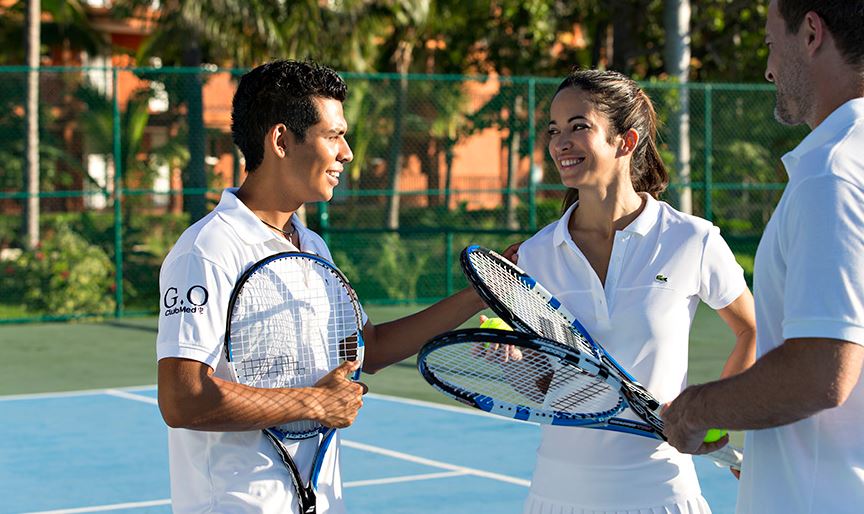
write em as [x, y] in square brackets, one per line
[106, 451]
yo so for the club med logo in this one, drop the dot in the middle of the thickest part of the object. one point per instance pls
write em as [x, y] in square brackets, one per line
[192, 302]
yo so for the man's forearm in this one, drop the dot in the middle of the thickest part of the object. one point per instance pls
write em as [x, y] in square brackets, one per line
[792, 382]
[402, 338]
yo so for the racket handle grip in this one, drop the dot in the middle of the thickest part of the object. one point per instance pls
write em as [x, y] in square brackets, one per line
[728, 456]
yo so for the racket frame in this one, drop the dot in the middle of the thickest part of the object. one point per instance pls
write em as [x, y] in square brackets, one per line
[540, 344]
[305, 491]
[639, 399]
[726, 456]
[635, 391]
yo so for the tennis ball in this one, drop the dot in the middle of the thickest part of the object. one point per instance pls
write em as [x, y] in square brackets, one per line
[714, 434]
[495, 323]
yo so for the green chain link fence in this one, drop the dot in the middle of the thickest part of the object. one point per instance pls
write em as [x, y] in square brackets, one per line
[129, 157]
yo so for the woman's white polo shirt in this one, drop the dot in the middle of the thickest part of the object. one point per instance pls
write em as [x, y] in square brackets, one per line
[661, 266]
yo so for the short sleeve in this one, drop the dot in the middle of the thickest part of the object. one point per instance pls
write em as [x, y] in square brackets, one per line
[721, 277]
[193, 306]
[824, 227]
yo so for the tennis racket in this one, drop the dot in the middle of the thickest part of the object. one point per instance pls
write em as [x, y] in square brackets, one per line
[527, 306]
[292, 318]
[532, 378]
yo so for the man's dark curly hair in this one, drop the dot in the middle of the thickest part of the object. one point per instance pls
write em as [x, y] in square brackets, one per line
[279, 92]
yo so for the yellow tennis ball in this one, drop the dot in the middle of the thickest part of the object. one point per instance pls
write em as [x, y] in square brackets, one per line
[714, 434]
[495, 323]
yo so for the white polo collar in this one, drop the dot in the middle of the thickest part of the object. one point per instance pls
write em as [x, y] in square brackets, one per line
[244, 222]
[641, 225]
[839, 120]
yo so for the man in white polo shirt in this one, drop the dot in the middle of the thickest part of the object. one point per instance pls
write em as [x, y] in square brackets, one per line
[802, 401]
[288, 121]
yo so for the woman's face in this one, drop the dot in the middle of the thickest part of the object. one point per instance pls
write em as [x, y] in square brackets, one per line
[580, 144]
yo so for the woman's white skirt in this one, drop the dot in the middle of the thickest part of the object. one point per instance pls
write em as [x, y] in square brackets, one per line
[693, 505]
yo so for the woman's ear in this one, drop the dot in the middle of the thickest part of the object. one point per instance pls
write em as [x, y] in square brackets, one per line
[629, 142]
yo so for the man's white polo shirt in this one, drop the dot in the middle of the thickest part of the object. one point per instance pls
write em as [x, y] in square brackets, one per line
[809, 282]
[661, 265]
[228, 471]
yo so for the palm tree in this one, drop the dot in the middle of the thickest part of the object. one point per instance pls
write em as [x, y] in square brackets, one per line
[69, 28]
[34, 15]
[677, 60]
[189, 34]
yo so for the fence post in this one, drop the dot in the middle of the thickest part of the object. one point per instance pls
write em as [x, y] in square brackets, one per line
[448, 262]
[118, 198]
[709, 152]
[324, 222]
[532, 138]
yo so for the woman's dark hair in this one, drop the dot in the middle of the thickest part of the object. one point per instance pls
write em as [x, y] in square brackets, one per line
[627, 107]
[280, 92]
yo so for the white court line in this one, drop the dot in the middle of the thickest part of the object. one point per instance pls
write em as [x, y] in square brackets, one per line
[106, 508]
[394, 399]
[435, 463]
[119, 393]
[66, 394]
[406, 478]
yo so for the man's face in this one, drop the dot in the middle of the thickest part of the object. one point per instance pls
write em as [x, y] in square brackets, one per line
[787, 69]
[316, 163]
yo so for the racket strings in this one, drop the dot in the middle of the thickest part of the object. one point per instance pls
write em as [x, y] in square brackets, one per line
[574, 390]
[527, 303]
[538, 381]
[293, 322]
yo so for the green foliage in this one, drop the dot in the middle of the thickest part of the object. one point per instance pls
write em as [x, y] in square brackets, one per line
[67, 25]
[67, 275]
[746, 257]
[397, 270]
[146, 240]
[387, 266]
[9, 226]
[728, 40]
[58, 167]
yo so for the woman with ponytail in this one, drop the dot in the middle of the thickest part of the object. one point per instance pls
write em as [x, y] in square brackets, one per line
[633, 270]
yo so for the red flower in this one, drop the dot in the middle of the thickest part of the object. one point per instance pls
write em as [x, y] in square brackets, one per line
[64, 275]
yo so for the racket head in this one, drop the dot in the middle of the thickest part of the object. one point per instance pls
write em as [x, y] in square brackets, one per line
[521, 301]
[550, 383]
[292, 318]
[525, 304]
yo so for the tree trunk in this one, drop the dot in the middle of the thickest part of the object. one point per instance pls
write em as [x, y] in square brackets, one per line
[677, 22]
[448, 172]
[394, 163]
[432, 167]
[624, 35]
[402, 59]
[31, 217]
[194, 176]
[514, 140]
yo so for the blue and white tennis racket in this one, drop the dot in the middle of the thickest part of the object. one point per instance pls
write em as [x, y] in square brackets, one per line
[532, 378]
[529, 307]
[293, 318]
